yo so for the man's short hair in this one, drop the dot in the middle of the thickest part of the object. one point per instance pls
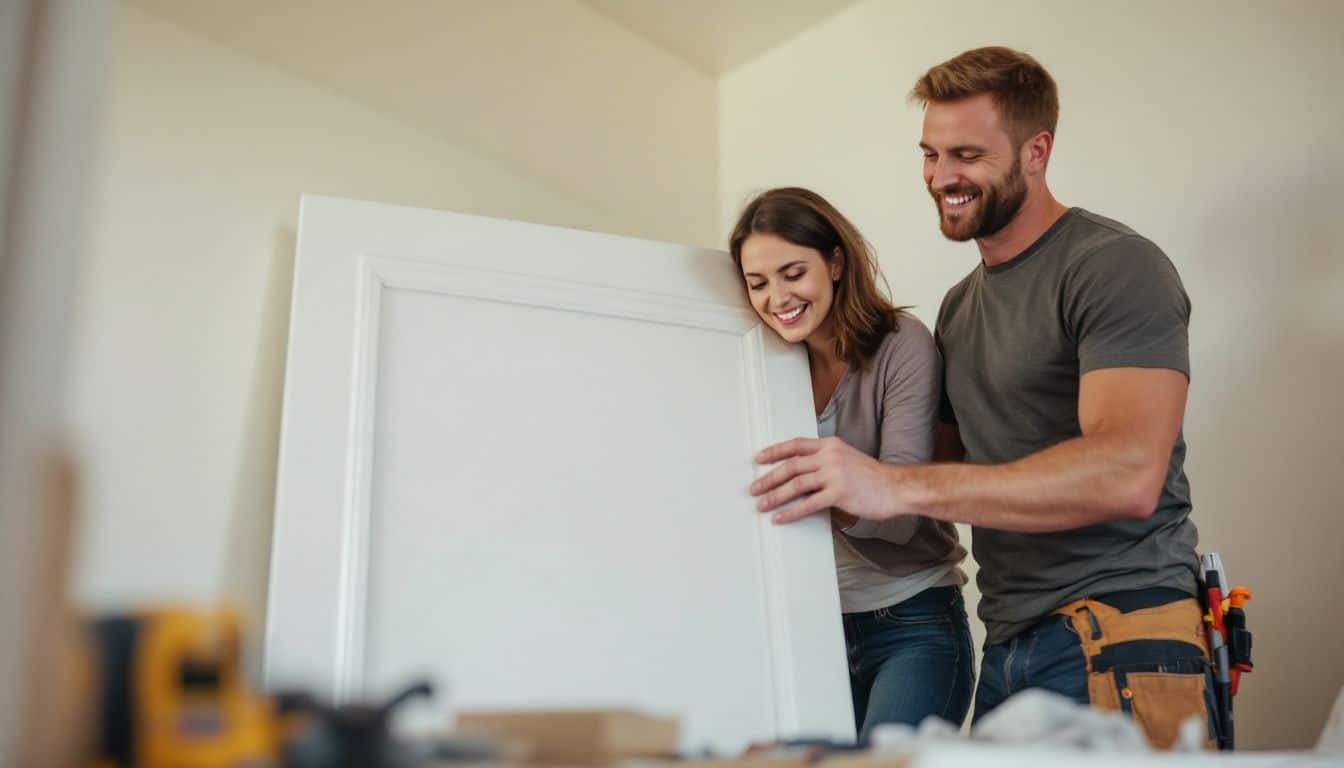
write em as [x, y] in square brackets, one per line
[1023, 92]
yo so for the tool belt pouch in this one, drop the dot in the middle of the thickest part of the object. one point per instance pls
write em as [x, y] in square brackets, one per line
[1239, 646]
[1152, 664]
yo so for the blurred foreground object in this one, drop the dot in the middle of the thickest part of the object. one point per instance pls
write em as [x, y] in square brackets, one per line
[1332, 735]
[52, 70]
[578, 737]
[57, 701]
[173, 693]
[356, 735]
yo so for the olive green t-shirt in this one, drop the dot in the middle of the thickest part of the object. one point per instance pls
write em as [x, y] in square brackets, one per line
[1016, 339]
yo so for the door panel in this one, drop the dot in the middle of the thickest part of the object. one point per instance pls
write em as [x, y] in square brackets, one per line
[514, 459]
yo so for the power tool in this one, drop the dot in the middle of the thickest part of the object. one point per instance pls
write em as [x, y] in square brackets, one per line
[173, 693]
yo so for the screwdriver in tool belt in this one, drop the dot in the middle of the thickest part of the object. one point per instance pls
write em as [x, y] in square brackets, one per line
[1213, 567]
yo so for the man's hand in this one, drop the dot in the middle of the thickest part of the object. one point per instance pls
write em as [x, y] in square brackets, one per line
[841, 520]
[826, 473]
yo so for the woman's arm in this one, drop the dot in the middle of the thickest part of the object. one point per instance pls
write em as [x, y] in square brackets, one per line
[911, 378]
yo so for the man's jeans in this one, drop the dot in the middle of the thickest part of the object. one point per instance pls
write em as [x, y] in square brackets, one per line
[911, 660]
[1047, 655]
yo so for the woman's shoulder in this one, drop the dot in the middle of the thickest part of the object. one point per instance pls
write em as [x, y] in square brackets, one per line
[909, 339]
[906, 354]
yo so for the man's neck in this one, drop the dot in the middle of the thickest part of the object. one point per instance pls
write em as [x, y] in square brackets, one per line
[1037, 214]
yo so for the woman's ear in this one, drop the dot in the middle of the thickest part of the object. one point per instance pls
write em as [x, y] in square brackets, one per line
[837, 264]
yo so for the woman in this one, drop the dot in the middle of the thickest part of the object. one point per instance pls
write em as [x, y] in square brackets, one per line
[876, 377]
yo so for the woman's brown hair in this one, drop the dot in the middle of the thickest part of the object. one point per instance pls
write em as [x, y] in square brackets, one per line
[863, 314]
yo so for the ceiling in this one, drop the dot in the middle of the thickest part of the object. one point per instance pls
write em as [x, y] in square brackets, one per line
[579, 96]
[717, 36]
[713, 36]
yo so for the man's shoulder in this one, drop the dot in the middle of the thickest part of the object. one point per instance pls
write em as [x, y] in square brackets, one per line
[1090, 234]
[1100, 225]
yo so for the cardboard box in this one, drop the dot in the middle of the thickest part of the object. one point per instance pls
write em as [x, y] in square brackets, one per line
[867, 760]
[727, 762]
[787, 759]
[578, 737]
[746, 761]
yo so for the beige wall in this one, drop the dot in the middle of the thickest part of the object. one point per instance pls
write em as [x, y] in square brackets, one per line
[551, 90]
[180, 342]
[1214, 129]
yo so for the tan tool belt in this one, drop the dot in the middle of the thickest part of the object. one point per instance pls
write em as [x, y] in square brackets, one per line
[1151, 663]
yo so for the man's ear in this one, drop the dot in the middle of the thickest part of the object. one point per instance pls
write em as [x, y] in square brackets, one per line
[1036, 152]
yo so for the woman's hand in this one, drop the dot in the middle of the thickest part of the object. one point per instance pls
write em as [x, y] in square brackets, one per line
[824, 473]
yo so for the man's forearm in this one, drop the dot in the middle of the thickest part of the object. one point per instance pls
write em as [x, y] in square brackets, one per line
[1079, 482]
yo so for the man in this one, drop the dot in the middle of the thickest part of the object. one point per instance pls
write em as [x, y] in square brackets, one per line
[1066, 371]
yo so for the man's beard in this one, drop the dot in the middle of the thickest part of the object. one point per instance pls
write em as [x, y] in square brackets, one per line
[997, 207]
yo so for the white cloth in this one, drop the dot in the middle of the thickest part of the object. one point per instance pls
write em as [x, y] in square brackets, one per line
[1332, 736]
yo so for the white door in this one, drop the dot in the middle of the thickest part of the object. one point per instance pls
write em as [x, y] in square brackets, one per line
[515, 459]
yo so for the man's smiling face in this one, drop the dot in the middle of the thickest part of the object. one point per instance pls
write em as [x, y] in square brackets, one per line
[971, 167]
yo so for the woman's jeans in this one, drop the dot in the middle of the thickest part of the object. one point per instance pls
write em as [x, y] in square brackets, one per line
[911, 660]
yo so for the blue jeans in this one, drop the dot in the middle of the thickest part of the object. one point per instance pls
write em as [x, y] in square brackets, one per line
[911, 660]
[1046, 655]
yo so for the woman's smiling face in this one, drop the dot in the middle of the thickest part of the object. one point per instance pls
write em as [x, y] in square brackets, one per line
[790, 286]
